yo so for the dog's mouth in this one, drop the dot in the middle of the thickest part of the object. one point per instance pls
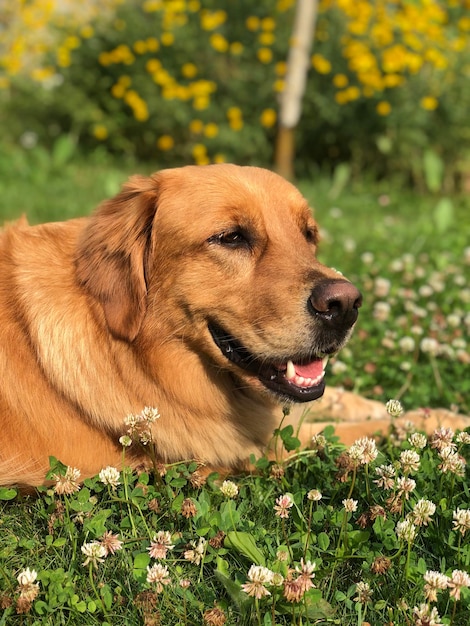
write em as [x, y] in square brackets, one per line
[301, 381]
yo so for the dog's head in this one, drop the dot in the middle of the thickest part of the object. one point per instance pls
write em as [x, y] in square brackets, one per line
[222, 260]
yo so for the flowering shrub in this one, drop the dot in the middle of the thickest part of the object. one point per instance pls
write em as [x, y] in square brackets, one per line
[191, 80]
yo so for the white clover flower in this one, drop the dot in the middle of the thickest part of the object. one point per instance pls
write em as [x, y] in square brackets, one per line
[381, 311]
[364, 592]
[458, 580]
[387, 475]
[394, 408]
[418, 440]
[424, 615]
[429, 345]
[423, 510]
[406, 344]
[452, 462]
[258, 576]
[435, 581]
[350, 505]
[160, 545]
[158, 575]
[150, 414]
[229, 489]
[363, 451]
[68, 483]
[125, 441]
[196, 554]
[315, 495]
[461, 520]
[381, 287]
[338, 367]
[410, 461]
[283, 504]
[110, 476]
[463, 437]
[405, 486]
[27, 577]
[95, 553]
[406, 530]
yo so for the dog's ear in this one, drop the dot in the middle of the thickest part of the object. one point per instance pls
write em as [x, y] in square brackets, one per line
[113, 254]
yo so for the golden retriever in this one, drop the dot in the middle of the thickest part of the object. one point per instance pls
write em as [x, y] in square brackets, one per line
[196, 291]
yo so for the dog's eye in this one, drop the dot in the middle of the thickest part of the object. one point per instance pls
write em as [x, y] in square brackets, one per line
[231, 239]
[311, 235]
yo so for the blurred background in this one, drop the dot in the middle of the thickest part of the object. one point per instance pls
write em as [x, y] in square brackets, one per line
[201, 81]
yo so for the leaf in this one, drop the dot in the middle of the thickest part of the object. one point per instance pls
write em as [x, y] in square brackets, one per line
[233, 588]
[290, 442]
[7, 494]
[246, 545]
[63, 150]
[141, 561]
[433, 169]
[444, 215]
[323, 541]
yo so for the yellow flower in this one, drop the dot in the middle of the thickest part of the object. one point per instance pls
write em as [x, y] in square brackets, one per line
[236, 48]
[189, 70]
[140, 47]
[199, 150]
[268, 118]
[219, 43]
[236, 123]
[279, 86]
[194, 6]
[219, 158]
[322, 65]
[100, 132]
[118, 90]
[265, 55]
[72, 42]
[201, 102]
[341, 97]
[153, 65]
[268, 23]
[430, 103]
[234, 112]
[383, 108]
[353, 93]
[340, 80]
[167, 39]
[266, 39]
[252, 23]
[196, 126]
[87, 31]
[165, 143]
[152, 44]
[211, 130]
[281, 68]
[40, 74]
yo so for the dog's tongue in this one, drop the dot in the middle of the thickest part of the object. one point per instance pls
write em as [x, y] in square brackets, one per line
[309, 370]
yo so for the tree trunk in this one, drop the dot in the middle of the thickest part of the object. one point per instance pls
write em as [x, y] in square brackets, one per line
[298, 62]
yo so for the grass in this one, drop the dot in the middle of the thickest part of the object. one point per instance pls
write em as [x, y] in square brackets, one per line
[368, 548]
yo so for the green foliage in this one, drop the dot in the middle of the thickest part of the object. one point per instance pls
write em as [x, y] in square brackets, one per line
[200, 81]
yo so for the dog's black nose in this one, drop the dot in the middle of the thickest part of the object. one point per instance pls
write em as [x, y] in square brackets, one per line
[336, 302]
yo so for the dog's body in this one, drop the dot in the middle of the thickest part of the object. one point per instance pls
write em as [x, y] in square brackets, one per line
[195, 291]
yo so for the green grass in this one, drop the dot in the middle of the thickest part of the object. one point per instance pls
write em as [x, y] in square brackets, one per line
[408, 255]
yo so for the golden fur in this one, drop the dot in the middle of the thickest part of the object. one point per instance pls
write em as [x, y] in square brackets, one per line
[102, 316]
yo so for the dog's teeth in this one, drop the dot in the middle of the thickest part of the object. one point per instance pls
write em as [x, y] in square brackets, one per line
[325, 361]
[290, 370]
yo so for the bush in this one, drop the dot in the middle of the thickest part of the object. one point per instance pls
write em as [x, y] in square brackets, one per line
[194, 81]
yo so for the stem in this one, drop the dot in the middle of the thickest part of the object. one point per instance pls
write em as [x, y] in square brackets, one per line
[353, 482]
[98, 597]
[258, 613]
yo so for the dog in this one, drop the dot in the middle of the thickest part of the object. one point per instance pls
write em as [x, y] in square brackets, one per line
[195, 291]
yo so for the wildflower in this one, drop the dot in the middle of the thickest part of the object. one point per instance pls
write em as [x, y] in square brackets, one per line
[315, 495]
[197, 479]
[214, 617]
[394, 408]
[160, 545]
[283, 504]
[196, 554]
[463, 437]
[229, 489]
[258, 577]
[405, 486]
[188, 508]
[425, 616]
[68, 483]
[293, 590]
[318, 442]
[125, 441]
[435, 581]
[154, 505]
[95, 553]
[458, 580]
[217, 540]
[461, 521]
[406, 530]
[422, 512]
[406, 344]
[452, 462]
[364, 451]
[276, 471]
[418, 440]
[386, 474]
[364, 592]
[184, 583]
[111, 543]
[381, 565]
[158, 575]
[381, 311]
[350, 505]
[442, 438]
[282, 555]
[306, 571]
[27, 587]
[110, 476]
[410, 461]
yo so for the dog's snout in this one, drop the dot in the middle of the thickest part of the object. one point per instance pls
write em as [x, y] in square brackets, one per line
[336, 302]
